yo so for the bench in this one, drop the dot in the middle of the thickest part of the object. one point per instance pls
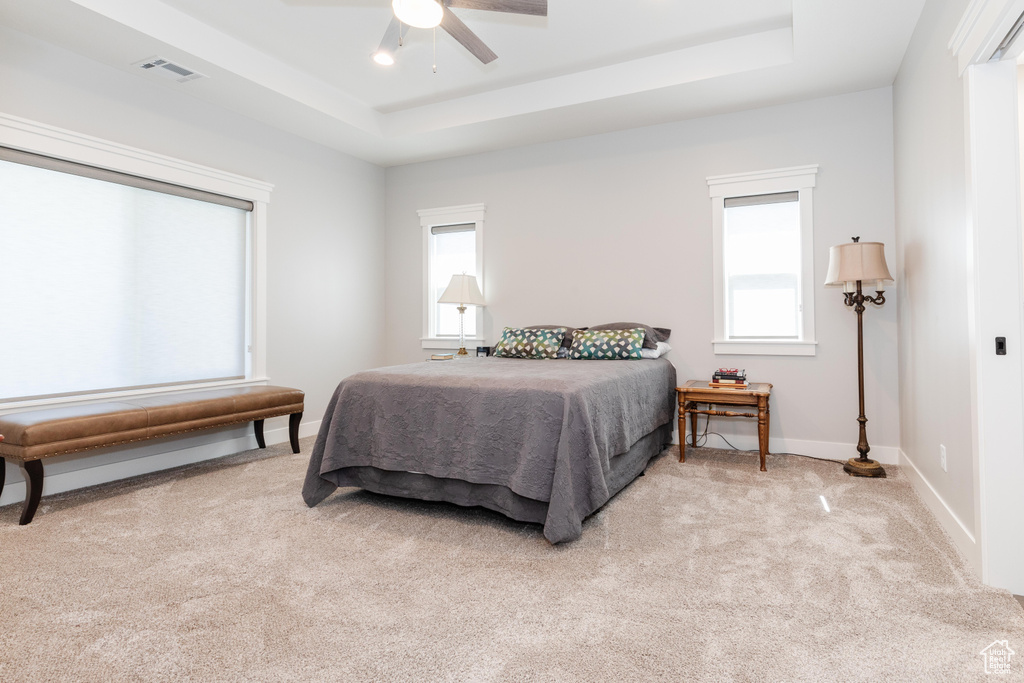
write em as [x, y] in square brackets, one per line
[31, 436]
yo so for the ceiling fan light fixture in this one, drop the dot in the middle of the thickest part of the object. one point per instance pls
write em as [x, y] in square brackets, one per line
[384, 58]
[418, 13]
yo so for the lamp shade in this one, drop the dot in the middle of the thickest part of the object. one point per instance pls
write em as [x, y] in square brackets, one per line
[418, 13]
[462, 290]
[864, 261]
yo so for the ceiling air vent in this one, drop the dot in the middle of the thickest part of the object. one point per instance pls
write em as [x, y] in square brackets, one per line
[168, 69]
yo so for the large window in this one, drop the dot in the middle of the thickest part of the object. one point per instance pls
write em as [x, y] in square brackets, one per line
[763, 262]
[452, 245]
[115, 282]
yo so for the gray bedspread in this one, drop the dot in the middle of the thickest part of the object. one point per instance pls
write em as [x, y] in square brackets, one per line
[546, 429]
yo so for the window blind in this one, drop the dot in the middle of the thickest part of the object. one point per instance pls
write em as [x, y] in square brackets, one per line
[447, 229]
[73, 168]
[752, 200]
[106, 284]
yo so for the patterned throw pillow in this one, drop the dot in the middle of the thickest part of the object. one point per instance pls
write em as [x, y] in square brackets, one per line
[517, 342]
[607, 344]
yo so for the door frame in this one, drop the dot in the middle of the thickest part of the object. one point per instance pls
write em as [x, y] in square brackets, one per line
[995, 283]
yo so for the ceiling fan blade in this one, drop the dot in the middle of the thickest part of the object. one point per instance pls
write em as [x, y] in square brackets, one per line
[460, 32]
[536, 7]
[392, 36]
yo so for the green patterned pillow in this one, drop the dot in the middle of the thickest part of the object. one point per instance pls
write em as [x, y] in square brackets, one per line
[607, 344]
[517, 342]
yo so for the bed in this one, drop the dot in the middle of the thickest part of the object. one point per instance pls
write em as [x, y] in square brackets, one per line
[543, 441]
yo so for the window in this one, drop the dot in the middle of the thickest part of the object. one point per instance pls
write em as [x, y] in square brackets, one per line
[452, 251]
[452, 245]
[124, 282]
[763, 262]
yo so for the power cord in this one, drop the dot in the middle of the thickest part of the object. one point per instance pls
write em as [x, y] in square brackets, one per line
[702, 440]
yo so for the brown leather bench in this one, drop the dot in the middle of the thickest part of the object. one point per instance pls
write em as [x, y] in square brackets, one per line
[30, 436]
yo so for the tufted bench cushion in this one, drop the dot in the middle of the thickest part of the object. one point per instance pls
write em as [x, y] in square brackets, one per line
[30, 436]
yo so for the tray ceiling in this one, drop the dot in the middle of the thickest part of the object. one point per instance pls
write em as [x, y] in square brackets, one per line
[588, 67]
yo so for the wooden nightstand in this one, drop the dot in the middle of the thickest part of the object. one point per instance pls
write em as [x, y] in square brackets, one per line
[696, 391]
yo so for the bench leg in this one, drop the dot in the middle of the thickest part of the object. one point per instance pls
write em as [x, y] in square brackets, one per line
[257, 426]
[3, 475]
[293, 430]
[34, 484]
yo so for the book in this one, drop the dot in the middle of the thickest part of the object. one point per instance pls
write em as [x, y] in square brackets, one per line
[722, 380]
[442, 356]
[719, 385]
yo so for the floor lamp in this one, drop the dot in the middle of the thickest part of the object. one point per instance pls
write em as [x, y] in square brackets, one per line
[462, 290]
[850, 265]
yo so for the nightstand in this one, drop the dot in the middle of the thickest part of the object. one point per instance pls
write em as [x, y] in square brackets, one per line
[696, 392]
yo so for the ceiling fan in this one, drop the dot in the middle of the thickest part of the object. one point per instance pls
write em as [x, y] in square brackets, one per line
[431, 13]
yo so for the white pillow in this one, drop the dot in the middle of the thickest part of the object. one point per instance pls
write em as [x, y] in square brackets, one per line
[662, 349]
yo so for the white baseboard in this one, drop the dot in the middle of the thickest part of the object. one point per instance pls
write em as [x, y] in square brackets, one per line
[74, 472]
[100, 467]
[887, 455]
[962, 537]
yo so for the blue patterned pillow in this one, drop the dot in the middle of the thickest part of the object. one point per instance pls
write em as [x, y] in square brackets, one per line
[607, 344]
[517, 342]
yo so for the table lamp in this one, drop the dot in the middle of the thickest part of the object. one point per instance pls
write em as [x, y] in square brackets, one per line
[462, 290]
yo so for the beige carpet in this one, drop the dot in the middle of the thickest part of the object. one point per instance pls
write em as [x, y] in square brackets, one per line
[705, 571]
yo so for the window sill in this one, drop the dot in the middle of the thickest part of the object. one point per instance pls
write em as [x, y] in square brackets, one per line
[99, 397]
[449, 343]
[764, 348]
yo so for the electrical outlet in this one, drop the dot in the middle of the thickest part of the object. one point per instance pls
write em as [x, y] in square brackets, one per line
[942, 457]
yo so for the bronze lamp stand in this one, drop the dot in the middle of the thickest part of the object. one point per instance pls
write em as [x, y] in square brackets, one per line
[849, 266]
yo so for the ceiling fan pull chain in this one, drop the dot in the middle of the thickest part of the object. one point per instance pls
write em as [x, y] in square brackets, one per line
[434, 32]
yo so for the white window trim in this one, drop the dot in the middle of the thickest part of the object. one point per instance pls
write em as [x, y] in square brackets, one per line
[39, 138]
[451, 215]
[796, 179]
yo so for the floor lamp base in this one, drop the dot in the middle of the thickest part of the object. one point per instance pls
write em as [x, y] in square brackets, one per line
[863, 468]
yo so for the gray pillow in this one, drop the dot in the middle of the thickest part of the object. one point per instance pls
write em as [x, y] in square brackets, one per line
[652, 335]
[566, 340]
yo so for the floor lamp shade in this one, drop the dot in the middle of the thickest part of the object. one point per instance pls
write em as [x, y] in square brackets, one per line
[462, 290]
[864, 261]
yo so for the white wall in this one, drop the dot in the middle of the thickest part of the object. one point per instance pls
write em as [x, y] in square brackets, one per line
[618, 227]
[325, 232]
[933, 256]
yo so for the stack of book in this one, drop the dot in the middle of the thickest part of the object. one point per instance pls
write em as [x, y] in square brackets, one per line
[729, 378]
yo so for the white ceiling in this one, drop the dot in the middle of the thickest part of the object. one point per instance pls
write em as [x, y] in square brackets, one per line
[590, 66]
